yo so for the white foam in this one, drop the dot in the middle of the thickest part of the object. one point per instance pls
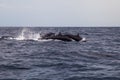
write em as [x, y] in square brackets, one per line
[44, 40]
[27, 34]
[83, 39]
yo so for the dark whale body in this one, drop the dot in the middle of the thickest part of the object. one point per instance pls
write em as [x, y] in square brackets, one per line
[63, 37]
[74, 37]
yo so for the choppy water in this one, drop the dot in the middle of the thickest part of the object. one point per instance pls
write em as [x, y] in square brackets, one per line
[96, 59]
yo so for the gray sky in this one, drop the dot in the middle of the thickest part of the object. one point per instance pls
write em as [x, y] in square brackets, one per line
[59, 12]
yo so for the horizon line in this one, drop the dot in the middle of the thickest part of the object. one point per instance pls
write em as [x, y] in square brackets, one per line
[58, 26]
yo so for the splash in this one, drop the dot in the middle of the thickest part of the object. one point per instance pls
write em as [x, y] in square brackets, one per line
[83, 39]
[27, 34]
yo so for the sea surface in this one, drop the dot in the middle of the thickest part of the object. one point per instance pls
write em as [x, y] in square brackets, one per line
[27, 58]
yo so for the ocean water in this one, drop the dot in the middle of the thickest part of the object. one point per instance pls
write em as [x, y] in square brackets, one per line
[27, 58]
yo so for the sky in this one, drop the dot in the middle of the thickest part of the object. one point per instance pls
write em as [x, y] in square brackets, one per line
[60, 13]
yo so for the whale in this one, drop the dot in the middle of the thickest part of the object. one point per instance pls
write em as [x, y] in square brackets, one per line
[62, 37]
[53, 36]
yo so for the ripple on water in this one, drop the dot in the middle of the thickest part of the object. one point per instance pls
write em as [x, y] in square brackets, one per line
[13, 67]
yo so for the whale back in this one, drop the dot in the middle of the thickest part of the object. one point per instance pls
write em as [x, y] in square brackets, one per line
[63, 37]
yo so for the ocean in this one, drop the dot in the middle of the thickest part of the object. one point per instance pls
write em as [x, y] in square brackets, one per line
[27, 58]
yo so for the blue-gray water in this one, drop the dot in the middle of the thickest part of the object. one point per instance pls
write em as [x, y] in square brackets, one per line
[96, 59]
